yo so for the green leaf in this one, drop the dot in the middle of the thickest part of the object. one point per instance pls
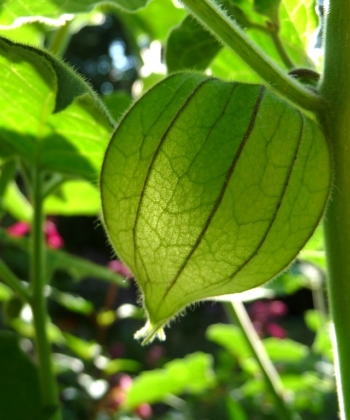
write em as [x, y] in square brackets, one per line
[198, 199]
[86, 350]
[231, 338]
[72, 303]
[192, 374]
[19, 384]
[285, 350]
[267, 8]
[117, 103]
[298, 23]
[53, 119]
[36, 10]
[16, 203]
[73, 198]
[190, 47]
[121, 365]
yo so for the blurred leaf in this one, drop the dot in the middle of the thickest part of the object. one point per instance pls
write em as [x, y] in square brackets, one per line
[192, 374]
[122, 365]
[13, 9]
[19, 384]
[16, 203]
[298, 23]
[318, 324]
[267, 8]
[86, 350]
[117, 103]
[72, 303]
[77, 267]
[190, 46]
[73, 198]
[285, 350]
[155, 20]
[231, 338]
[235, 410]
[64, 363]
[64, 127]
[26, 329]
[30, 33]
[288, 283]
[227, 65]
[5, 292]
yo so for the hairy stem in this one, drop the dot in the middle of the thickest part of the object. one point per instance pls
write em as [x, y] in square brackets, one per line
[208, 13]
[335, 87]
[38, 303]
[236, 313]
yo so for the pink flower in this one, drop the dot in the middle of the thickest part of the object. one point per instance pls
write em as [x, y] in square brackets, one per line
[120, 268]
[53, 238]
[18, 229]
[263, 314]
[144, 411]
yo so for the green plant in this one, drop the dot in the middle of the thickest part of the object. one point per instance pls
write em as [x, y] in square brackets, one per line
[55, 130]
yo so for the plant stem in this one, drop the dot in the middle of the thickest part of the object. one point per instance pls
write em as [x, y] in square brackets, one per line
[60, 40]
[38, 303]
[208, 13]
[14, 282]
[237, 313]
[335, 87]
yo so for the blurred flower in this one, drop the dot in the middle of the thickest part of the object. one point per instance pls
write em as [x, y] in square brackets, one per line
[53, 238]
[18, 229]
[155, 353]
[263, 315]
[117, 394]
[120, 268]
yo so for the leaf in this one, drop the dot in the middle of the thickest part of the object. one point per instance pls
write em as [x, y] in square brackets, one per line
[192, 374]
[73, 198]
[16, 203]
[19, 384]
[285, 350]
[78, 268]
[190, 47]
[121, 365]
[53, 119]
[37, 10]
[198, 199]
[231, 338]
[267, 8]
[117, 103]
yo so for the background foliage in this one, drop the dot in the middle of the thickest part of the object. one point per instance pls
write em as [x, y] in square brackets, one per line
[204, 370]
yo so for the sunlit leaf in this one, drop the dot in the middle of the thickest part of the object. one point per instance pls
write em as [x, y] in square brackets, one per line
[37, 10]
[52, 118]
[198, 199]
[192, 374]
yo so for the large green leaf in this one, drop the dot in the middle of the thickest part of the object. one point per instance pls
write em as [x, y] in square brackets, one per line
[19, 383]
[51, 118]
[210, 188]
[10, 10]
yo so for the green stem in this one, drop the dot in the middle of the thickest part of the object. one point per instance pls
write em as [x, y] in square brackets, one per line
[38, 303]
[208, 13]
[281, 50]
[236, 313]
[60, 40]
[14, 282]
[335, 87]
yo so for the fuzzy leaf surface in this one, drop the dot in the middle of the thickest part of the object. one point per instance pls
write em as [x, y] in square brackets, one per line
[210, 188]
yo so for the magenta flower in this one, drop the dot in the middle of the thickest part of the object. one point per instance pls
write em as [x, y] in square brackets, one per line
[120, 268]
[53, 238]
[263, 315]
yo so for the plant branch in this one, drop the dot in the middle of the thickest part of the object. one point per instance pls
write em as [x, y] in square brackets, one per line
[335, 118]
[38, 302]
[214, 19]
[13, 281]
[236, 313]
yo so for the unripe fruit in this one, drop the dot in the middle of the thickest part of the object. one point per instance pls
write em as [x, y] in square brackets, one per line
[210, 188]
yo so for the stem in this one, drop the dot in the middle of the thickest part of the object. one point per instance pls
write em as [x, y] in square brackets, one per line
[335, 87]
[38, 303]
[60, 40]
[14, 282]
[281, 50]
[214, 19]
[236, 313]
